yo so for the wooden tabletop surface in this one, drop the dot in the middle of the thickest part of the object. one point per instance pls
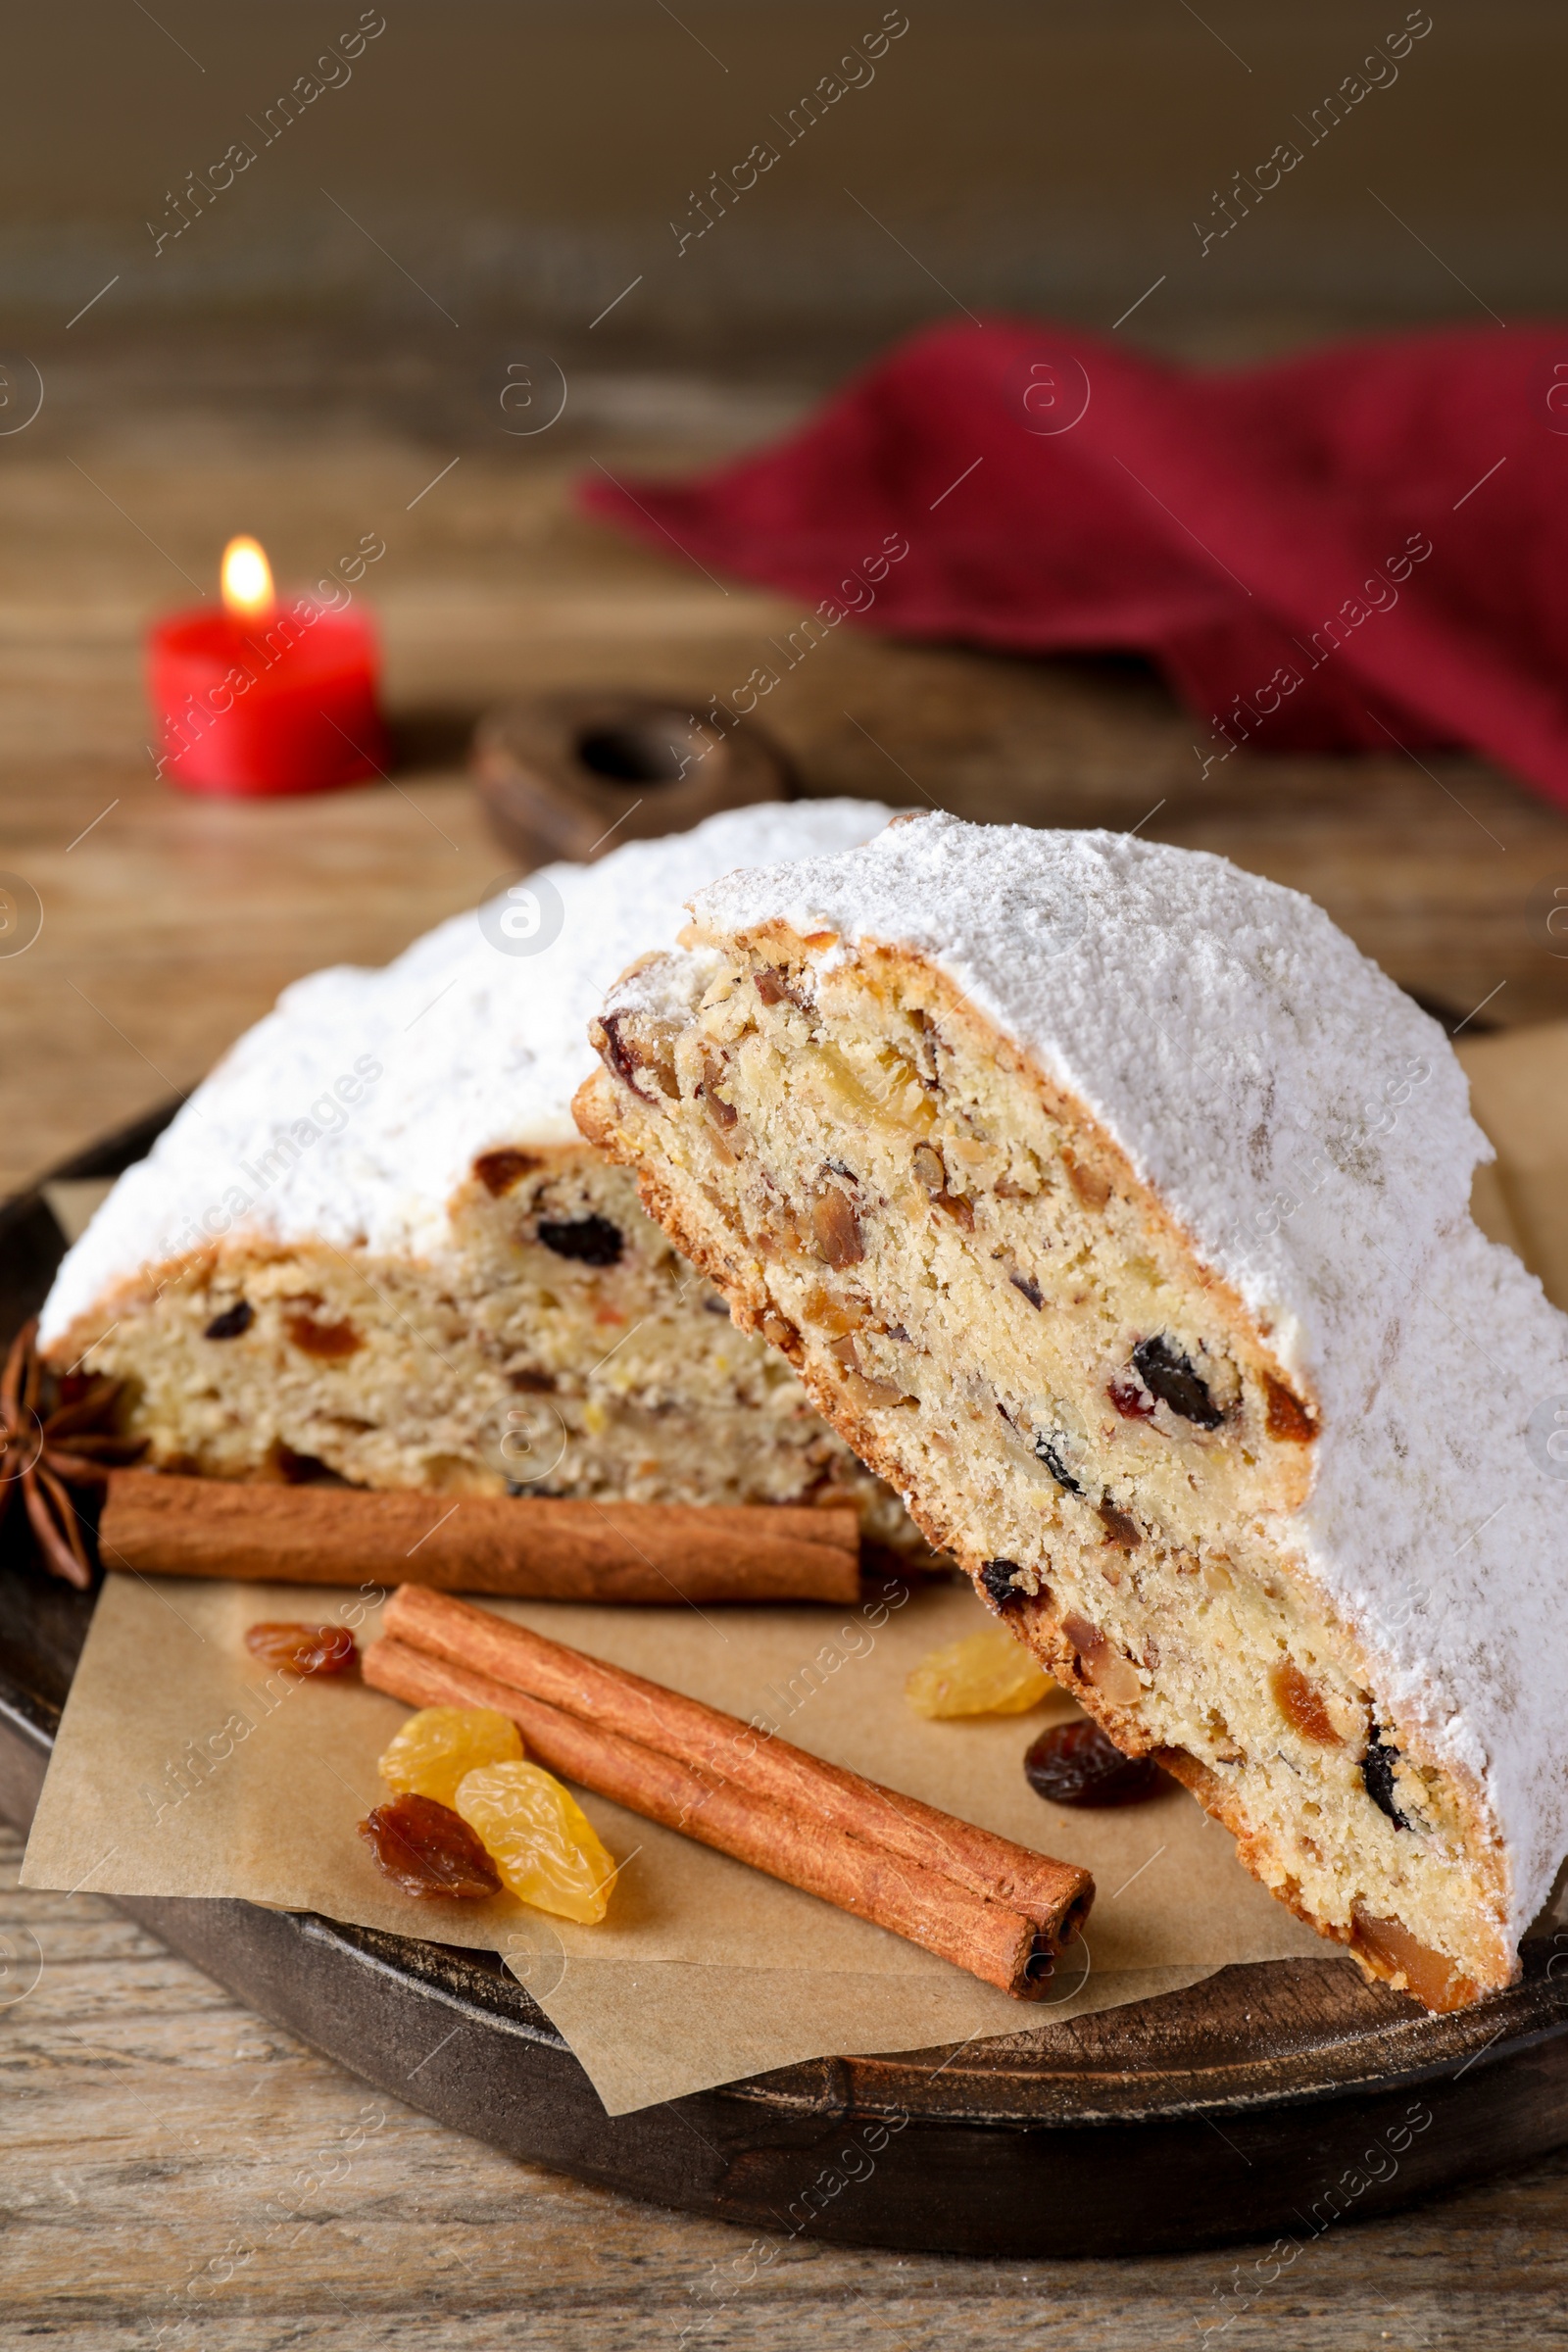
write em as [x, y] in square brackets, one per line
[175, 2172]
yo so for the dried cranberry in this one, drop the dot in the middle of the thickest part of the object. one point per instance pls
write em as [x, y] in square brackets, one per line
[427, 1849]
[1075, 1764]
[1134, 1403]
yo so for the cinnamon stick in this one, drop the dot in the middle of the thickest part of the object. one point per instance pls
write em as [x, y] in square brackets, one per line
[530, 1548]
[990, 1939]
[1055, 1895]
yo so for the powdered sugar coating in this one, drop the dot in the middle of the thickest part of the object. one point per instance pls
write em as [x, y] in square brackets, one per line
[474, 1047]
[1309, 1127]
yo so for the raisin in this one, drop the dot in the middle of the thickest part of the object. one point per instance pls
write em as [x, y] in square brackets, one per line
[499, 1171]
[1029, 1287]
[1048, 1452]
[326, 1341]
[439, 1746]
[1133, 1402]
[1377, 1776]
[1170, 1375]
[593, 1241]
[301, 1649]
[540, 1840]
[997, 1577]
[1121, 1529]
[1300, 1706]
[231, 1322]
[988, 1673]
[531, 1383]
[1076, 1764]
[1287, 1417]
[427, 1849]
[837, 1229]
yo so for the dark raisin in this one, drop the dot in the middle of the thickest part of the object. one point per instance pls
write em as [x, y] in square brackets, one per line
[530, 1382]
[997, 1577]
[1076, 1764]
[1170, 1375]
[1047, 1450]
[1029, 1287]
[1377, 1776]
[231, 1322]
[427, 1849]
[594, 1240]
[717, 1306]
[499, 1171]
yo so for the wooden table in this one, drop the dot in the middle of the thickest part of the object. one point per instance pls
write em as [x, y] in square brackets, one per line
[178, 2173]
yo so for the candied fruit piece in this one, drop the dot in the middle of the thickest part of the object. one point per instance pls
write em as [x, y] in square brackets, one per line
[987, 1673]
[539, 1838]
[427, 1849]
[1287, 1417]
[301, 1649]
[1076, 1764]
[436, 1748]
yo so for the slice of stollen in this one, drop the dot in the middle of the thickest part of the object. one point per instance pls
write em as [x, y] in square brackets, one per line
[373, 1243]
[1115, 1207]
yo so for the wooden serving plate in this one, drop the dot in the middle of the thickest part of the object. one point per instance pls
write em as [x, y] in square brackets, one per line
[1265, 2102]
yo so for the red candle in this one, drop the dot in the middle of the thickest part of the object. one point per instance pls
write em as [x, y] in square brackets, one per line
[269, 694]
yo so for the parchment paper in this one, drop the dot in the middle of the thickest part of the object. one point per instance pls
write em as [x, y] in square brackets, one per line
[181, 1770]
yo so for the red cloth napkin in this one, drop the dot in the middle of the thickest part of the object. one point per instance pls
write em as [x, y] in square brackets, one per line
[1359, 549]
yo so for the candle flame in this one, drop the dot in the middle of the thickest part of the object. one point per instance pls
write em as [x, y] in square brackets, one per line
[247, 580]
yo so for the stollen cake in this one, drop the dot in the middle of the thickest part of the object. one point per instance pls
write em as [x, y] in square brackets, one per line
[1115, 1207]
[373, 1241]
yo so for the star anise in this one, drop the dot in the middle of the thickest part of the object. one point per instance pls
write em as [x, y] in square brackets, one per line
[44, 1454]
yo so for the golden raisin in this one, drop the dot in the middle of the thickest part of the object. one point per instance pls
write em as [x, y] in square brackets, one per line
[301, 1649]
[425, 1849]
[987, 1673]
[539, 1838]
[327, 1340]
[1300, 1706]
[436, 1748]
